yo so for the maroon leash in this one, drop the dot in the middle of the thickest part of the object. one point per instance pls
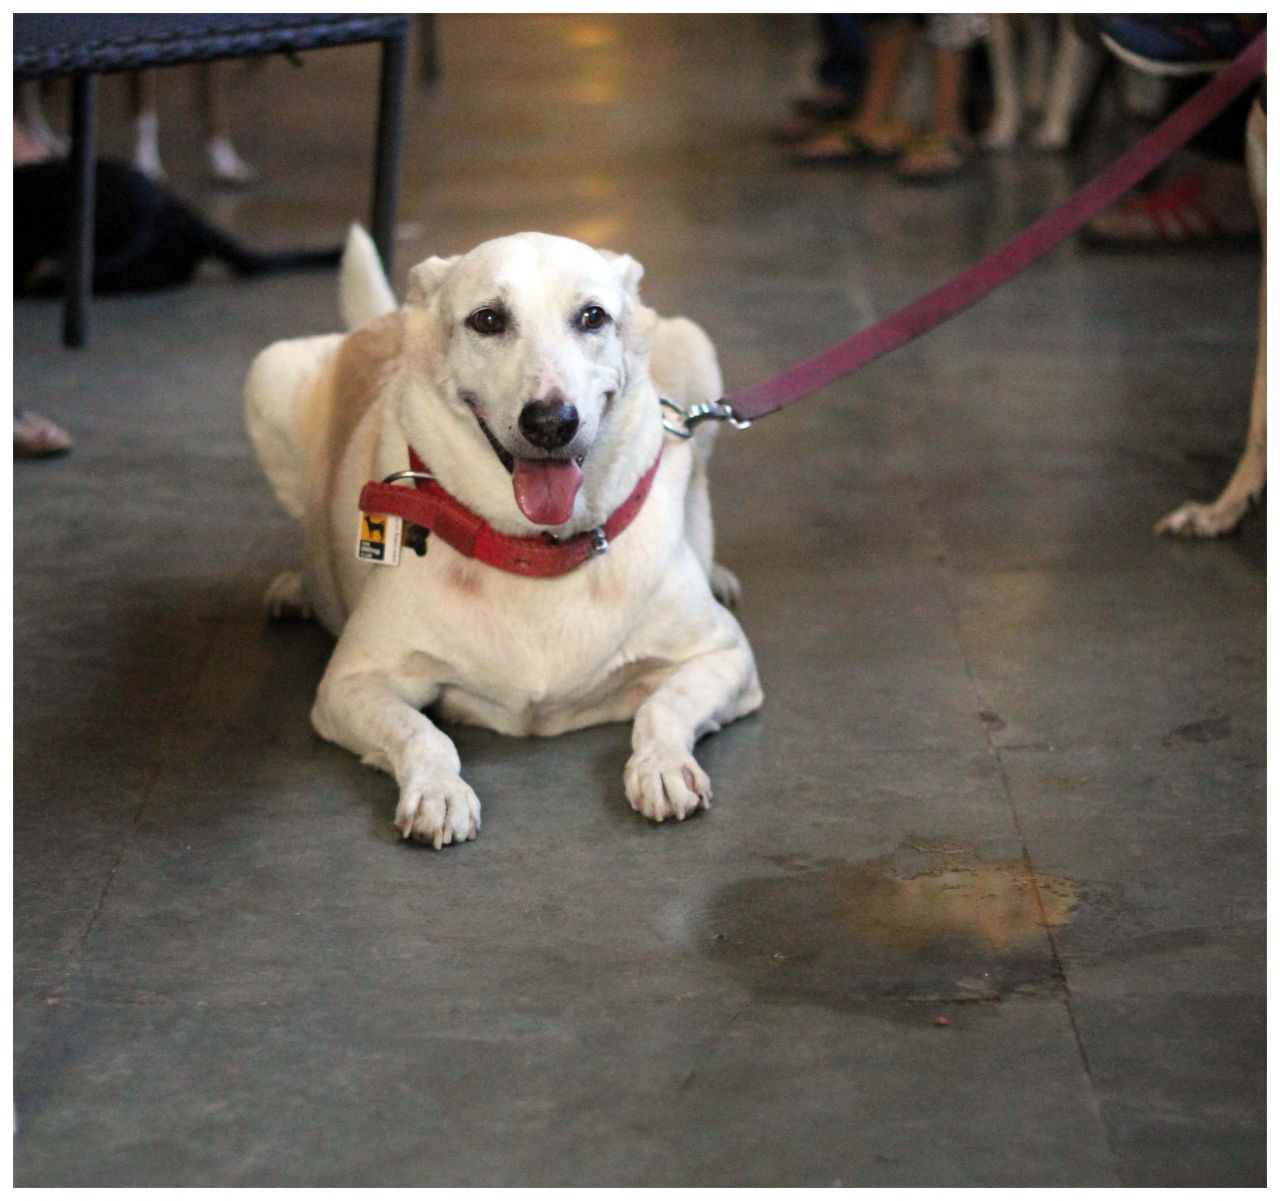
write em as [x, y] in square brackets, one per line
[1003, 263]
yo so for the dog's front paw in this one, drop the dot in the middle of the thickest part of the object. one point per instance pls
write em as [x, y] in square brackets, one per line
[725, 586]
[286, 598]
[1194, 520]
[437, 810]
[662, 784]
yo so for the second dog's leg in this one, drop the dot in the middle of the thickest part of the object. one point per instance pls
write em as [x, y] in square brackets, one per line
[33, 118]
[1002, 132]
[225, 165]
[146, 125]
[378, 718]
[1223, 516]
[662, 778]
[1073, 67]
[1247, 481]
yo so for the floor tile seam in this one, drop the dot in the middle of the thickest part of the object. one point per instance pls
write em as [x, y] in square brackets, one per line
[952, 601]
[1055, 951]
[154, 772]
[66, 1000]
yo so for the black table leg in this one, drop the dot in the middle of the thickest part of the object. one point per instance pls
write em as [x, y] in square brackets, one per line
[428, 49]
[386, 168]
[79, 257]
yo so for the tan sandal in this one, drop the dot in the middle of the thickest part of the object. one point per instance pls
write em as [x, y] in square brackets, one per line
[931, 158]
[844, 145]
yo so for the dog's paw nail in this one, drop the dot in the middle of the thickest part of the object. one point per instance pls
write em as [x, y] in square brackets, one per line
[662, 785]
[438, 812]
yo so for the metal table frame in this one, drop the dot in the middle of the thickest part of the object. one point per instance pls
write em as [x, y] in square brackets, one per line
[86, 46]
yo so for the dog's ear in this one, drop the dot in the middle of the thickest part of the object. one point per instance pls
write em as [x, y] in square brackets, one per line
[426, 278]
[628, 271]
[639, 330]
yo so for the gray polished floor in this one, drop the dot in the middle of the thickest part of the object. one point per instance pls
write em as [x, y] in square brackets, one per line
[981, 899]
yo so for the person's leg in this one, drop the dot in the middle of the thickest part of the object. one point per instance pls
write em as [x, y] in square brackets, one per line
[944, 148]
[875, 121]
[950, 76]
[873, 131]
[839, 75]
[225, 165]
[842, 69]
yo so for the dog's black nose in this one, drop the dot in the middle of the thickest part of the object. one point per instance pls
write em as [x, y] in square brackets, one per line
[549, 424]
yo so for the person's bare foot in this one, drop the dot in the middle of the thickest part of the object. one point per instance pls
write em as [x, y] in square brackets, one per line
[27, 148]
[36, 437]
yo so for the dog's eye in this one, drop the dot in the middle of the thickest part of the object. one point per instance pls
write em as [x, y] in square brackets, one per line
[592, 317]
[487, 321]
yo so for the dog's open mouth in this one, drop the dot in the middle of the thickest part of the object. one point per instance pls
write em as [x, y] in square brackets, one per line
[545, 489]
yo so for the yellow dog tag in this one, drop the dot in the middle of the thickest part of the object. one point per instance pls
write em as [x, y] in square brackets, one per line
[379, 540]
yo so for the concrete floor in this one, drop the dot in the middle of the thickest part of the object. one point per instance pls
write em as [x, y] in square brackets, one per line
[1009, 771]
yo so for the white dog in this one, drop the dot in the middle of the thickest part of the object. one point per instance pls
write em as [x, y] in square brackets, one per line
[526, 377]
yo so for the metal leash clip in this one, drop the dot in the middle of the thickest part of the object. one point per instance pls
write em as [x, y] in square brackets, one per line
[713, 410]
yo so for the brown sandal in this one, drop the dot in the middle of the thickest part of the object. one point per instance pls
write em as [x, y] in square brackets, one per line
[843, 145]
[931, 158]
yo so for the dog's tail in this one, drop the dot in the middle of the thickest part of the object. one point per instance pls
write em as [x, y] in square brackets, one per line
[363, 290]
[246, 262]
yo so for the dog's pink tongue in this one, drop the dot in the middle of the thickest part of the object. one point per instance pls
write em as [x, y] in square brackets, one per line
[546, 488]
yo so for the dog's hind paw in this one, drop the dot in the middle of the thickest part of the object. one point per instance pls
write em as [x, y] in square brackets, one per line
[438, 810]
[725, 586]
[286, 598]
[663, 784]
[1194, 520]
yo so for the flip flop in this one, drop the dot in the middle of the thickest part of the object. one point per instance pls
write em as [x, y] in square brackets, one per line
[931, 158]
[844, 146]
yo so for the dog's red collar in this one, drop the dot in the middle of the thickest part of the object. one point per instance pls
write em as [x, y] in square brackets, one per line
[430, 506]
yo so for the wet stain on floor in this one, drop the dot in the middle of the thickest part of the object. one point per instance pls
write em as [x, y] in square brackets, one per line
[1209, 729]
[931, 922]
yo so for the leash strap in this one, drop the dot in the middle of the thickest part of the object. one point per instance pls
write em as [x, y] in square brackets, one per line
[1013, 256]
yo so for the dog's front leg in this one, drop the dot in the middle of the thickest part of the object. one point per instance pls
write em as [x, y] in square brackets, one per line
[378, 718]
[662, 777]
